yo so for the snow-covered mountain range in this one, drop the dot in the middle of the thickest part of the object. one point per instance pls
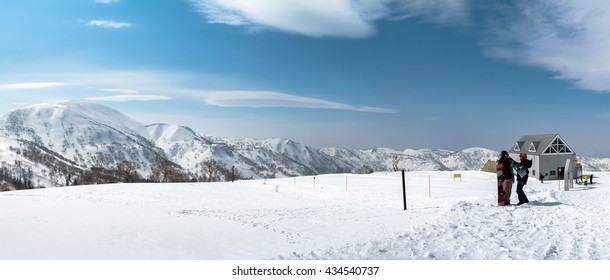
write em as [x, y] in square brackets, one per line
[49, 143]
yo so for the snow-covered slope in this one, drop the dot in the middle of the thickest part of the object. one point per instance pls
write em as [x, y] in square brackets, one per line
[346, 216]
[469, 159]
[281, 157]
[181, 144]
[595, 164]
[46, 123]
[80, 134]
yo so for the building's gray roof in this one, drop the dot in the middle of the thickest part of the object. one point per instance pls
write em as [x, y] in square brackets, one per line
[539, 143]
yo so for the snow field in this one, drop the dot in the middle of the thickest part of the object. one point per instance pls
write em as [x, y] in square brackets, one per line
[290, 219]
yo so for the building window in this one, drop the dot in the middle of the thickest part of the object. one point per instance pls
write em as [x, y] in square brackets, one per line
[553, 173]
[557, 147]
[532, 148]
[517, 147]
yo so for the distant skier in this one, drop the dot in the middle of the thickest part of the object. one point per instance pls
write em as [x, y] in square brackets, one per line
[541, 178]
[522, 175]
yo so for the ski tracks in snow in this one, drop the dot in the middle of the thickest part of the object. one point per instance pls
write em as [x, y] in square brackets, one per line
[268, 219]
[550, 227]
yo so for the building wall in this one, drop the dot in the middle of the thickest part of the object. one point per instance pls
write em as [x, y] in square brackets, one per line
[535, 170]
[550, 163]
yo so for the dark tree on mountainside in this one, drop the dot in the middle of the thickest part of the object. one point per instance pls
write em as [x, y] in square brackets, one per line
[165, 171]
[98, 175]
[213, 170]
[366, 170]
[216, 171]
[127, 170]
[343, 170]
[15, 177]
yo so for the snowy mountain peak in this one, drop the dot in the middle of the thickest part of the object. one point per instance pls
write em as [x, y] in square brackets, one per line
[384, 150]
[171, 133]
[44, 123]
[77, 135]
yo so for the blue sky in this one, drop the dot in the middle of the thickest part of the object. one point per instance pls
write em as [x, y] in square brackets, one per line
[360, 74]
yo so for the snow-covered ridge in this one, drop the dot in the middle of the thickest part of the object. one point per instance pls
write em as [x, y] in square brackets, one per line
[81, 135]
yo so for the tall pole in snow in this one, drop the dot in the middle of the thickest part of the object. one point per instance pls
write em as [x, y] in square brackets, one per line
[558, 180]
[429, 187]
[404, 190]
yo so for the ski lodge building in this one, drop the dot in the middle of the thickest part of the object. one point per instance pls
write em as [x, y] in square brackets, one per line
[548, 153]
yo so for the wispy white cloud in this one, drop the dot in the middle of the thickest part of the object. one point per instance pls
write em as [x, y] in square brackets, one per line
[569, 38]
[445, 12]
[106, 1]
[130, 85]
[218, 13]
[31, 85]
[129, 97]
[308, 17]
[157, 84]
[109, 24]
[119, 90]
[265, 99]
[318, 18]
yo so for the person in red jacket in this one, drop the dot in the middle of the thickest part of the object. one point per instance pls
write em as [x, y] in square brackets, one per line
[508, 164]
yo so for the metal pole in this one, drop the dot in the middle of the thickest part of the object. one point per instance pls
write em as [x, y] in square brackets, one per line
[429, 187]
[558, 180]
[404, 190]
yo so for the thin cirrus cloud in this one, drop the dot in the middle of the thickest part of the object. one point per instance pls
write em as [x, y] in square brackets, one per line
[569, 38]
[106, 1]
[129, 97]
[109, 24]
[335, 18]
[308, 17]
[33, 85]
[268, 99]
[126, 95]
[455, 13]
[119, 90]
[124, 86]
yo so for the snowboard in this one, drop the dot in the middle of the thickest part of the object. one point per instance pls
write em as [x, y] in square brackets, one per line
[499, 173]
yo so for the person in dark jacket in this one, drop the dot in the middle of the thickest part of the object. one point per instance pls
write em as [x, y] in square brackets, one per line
[508, 164]
[522, 175]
